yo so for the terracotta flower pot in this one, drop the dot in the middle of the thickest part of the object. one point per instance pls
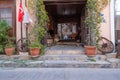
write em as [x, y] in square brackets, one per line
[34, 52]
[90, 50]
[9, 51]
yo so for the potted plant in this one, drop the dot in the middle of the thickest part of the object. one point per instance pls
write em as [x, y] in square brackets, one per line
[7, 42]
[38, 32]
[10, 46]
[35, 49]
[92, 23]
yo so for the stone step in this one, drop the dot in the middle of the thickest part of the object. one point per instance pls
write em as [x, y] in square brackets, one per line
[76, 64]
[64, 52]
[58, 64]
[55, 64]
[111, 55]
[63, 49]
[71, 57]
[60, 61]
[54, 57]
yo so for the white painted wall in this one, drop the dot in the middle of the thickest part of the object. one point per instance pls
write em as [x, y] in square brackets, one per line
[112, 22]
[105, 26]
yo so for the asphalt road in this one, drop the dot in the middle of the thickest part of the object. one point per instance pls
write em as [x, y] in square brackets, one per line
[59, 74]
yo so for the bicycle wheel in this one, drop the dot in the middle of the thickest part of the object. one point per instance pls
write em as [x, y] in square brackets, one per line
[23, 45]
[105, 45]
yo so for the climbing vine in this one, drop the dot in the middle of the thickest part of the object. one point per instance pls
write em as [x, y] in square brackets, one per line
[38, 32]
[93, 19]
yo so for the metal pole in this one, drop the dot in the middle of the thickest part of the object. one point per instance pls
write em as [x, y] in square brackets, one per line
[27, 40]
[21, 24]
[21, 30]
[27, 24]
[26, 3]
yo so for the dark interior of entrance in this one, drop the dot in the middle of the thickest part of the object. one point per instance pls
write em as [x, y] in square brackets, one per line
[66, 19]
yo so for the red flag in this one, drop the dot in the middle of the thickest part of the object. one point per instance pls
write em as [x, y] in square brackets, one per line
[21, 13]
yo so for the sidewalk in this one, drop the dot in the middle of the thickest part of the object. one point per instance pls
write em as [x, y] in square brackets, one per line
[59, 74]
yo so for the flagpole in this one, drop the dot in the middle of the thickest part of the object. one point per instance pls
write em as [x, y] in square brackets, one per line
[26, 3]
[21, 25]
[27, 24]
[20, 19]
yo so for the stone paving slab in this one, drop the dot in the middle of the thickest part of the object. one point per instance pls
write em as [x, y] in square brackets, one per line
[55, 64]
[72, 57]
[55, 57]
[111, 55]
[59, 74]
[64, 49]
[60, 61]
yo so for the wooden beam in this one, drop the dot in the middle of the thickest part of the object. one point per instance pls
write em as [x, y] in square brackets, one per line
[55, 3]
[63, 0]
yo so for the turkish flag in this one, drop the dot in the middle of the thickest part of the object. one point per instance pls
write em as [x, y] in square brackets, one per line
[21, 13]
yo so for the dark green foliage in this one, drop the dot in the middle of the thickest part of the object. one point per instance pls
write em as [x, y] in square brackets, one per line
[39, 30]
[10, 42]
[4, 29]
[42, 19]
[35, 45]
[93, 20]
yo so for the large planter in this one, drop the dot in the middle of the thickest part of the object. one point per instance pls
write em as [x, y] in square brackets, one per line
[9, 51]
[90, 50]
[34, 52]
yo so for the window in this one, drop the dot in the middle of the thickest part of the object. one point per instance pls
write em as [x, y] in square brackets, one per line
[6, 14]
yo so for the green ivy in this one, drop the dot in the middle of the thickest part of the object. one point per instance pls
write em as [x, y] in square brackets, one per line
[42, 19]
[94, 19]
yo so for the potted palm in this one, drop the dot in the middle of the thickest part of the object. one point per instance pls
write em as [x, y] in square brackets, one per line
[92, 22]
